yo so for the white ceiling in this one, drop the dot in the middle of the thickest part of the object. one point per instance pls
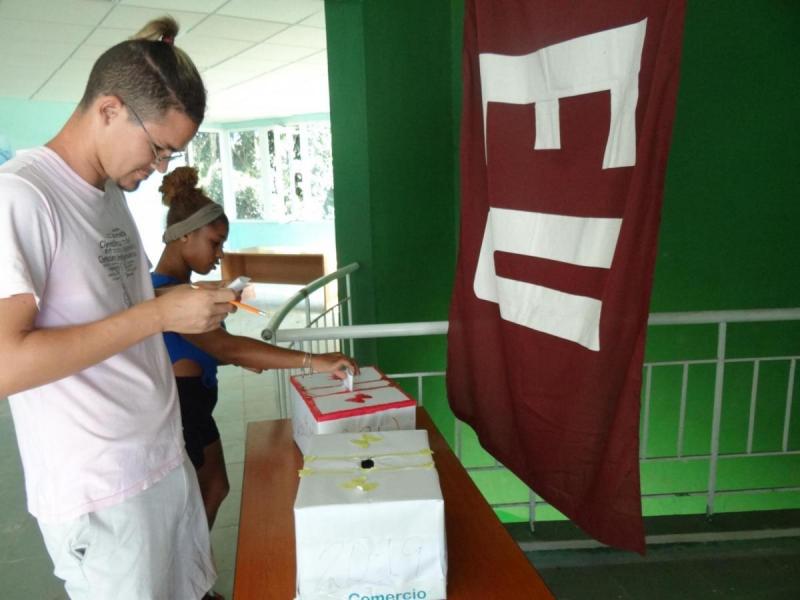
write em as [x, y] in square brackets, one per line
[258, 58]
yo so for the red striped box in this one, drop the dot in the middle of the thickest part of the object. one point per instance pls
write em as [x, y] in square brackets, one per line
[321, 404]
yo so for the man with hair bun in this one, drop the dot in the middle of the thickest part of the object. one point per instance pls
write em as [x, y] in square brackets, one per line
[92, 394]
[196, 231]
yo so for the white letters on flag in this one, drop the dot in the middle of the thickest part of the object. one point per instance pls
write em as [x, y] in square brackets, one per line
[608, 60]
[583, 241]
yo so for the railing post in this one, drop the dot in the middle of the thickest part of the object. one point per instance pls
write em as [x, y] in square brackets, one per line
[751, 419]
[280, 392]
[646, 417]
[308, 318]
[787, 419]
[349, 310]
[717, 418]
[285, 374]
[682, 414]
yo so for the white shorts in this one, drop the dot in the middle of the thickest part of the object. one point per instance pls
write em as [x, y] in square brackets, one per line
[153, 546]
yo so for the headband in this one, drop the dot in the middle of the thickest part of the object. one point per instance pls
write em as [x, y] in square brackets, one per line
[208, 213]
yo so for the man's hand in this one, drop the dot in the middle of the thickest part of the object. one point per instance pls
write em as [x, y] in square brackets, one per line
[194, 309]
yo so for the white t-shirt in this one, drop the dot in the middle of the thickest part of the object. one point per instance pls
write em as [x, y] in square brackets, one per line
[99, 436]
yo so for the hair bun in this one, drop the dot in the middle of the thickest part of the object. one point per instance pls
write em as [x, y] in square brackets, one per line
[177, 183]
[158, 29]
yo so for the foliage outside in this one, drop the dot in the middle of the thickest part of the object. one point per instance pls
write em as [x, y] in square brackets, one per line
[279, 173]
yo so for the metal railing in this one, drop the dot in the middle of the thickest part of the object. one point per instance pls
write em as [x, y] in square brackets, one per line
[339, 314]
[720, 319]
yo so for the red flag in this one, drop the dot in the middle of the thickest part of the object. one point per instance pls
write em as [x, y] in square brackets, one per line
[567, 117]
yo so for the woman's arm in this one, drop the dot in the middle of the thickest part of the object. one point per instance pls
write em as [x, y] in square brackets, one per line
[253, 354]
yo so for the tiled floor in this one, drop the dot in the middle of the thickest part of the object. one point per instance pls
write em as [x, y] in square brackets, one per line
[732, 570]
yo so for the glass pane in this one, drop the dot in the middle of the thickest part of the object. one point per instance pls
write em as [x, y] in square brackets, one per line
[281, 186]
[319, 165]
[204, 153]
[247, 182]
[280, 173]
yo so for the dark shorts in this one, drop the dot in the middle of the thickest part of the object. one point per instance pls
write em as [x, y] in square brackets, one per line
[199, 429]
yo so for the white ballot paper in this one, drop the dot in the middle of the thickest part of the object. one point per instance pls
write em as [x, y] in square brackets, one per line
[321, 403]
[348, 381]
[369, 518]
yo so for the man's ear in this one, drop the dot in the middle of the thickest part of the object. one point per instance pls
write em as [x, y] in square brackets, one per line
[109, 108]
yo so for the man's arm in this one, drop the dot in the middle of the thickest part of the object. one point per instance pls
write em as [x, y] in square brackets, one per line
[31, 357]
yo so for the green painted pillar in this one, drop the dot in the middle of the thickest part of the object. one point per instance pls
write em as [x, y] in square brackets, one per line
[394, 68]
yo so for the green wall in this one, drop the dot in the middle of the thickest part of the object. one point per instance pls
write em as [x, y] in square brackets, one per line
[392, 83]
[732, 200]
[727, 237]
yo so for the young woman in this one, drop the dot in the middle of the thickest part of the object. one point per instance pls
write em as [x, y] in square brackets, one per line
[196, 231]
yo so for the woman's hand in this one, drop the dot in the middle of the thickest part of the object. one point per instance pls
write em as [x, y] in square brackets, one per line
[333, 362]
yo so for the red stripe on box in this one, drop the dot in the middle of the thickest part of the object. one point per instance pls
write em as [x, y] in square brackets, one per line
[355, 411]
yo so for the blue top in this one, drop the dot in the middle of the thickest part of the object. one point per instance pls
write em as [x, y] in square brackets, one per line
[179, 348]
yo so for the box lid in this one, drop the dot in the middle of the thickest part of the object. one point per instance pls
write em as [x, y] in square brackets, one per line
[372, 392]
[326, 382]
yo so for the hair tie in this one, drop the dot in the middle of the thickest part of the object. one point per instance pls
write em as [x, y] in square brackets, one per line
[168, 39]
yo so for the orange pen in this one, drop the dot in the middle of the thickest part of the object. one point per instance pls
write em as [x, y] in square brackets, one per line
[248, 308]
[242, 305]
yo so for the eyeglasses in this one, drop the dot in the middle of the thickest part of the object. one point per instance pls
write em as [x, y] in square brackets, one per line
[157, 158]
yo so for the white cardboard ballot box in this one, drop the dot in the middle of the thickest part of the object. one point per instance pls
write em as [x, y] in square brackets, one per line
[321, 404]
[369, 518]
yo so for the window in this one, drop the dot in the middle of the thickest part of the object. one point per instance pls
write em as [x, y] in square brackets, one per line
[274, 173]
[204, 154]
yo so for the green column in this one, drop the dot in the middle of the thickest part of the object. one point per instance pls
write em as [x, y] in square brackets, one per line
[394, 124]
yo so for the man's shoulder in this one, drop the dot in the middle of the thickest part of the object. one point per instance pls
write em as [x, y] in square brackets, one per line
[25, 202]
[23, 174]
[24, 162]
[17, 189]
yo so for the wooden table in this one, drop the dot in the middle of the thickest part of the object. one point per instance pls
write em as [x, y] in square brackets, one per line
[484, 562]
[273, 265]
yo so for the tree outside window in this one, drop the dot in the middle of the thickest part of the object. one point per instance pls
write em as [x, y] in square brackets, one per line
[275, 173]
[204, 155]
[247, 174]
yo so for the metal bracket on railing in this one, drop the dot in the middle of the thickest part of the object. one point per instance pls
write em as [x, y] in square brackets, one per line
[303, 293]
